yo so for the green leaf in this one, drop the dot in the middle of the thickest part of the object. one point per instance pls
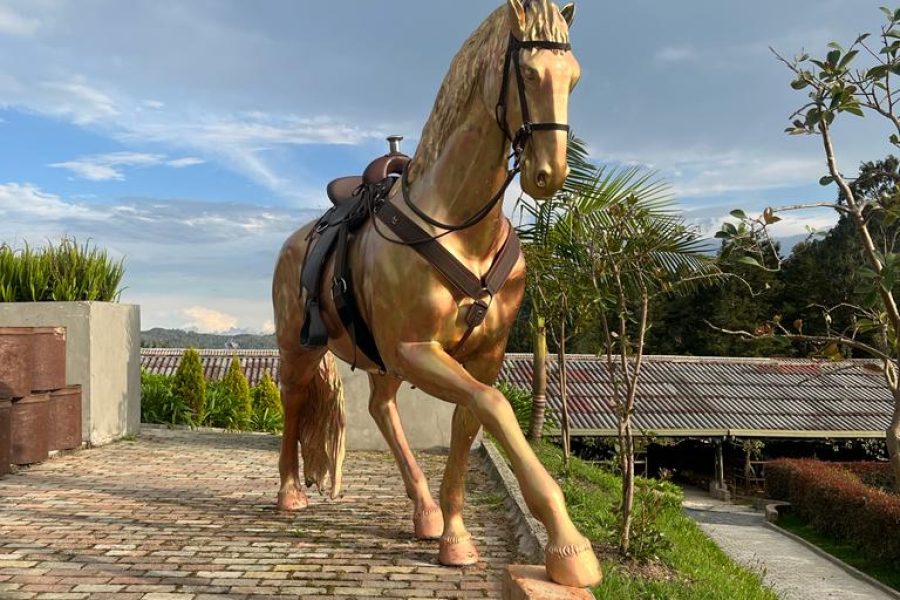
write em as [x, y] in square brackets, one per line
[833, 57]
[799, 84]
[749, 260]
[888, 12]
[827, 180]
[738, 214]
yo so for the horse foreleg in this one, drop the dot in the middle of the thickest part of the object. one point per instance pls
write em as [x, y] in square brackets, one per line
[457, 548]
[569, 557]
[427, 522]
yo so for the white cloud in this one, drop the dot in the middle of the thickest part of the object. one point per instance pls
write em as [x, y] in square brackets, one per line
[208, 320]
[76, 99]
[268, 327]
[676, 54]
[109, 167]
[14, 24]
[25, 199]
[180, 163]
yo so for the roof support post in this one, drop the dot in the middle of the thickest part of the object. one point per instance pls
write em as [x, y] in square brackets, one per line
[720, 465]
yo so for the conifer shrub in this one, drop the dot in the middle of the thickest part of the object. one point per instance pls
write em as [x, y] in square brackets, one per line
[159, 405]
[268, 414]
[238, 389]
[189, 384]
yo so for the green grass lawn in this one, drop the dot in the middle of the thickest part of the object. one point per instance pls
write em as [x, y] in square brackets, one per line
[689, 565]
[882, 571]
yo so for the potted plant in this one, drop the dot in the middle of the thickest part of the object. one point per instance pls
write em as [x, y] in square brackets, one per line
[76, 286]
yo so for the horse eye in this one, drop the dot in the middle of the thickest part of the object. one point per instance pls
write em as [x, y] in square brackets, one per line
[530, 73]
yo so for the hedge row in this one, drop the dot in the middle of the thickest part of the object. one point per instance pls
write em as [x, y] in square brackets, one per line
[837, 503]
[876, 474]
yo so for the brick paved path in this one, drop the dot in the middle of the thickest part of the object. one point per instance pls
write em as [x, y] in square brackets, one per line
[189, 516]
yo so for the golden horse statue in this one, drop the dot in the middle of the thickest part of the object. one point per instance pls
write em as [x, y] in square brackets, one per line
[422, 325]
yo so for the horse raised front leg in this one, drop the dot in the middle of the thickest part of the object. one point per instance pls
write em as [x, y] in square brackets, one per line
[427, 521]
[569, 557]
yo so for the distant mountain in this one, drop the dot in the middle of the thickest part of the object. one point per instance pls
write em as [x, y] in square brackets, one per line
[176, 338]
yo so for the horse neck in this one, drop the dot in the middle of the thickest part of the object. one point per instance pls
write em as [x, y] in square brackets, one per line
[470, 169]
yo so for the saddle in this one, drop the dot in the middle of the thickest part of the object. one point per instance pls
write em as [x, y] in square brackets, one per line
[356, 199]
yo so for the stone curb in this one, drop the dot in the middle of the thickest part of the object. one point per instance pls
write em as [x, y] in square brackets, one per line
[530, 533]
[158, 428]
[852, 571]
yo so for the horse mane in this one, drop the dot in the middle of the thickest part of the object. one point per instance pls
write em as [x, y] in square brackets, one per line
[466, 74]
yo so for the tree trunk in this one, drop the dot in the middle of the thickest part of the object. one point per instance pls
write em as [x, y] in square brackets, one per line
[539, 380]
[626, 445]
[563, 393]
[892, 439]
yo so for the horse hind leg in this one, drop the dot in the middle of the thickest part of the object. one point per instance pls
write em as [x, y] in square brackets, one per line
[427, 521]
[314, 420]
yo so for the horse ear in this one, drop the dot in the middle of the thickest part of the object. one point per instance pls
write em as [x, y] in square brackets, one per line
[517, 17]
[568, 13]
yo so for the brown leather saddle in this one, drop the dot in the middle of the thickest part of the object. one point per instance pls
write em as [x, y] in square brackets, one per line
[355, 200]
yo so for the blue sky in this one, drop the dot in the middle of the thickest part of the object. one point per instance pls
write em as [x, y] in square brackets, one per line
[192, 137]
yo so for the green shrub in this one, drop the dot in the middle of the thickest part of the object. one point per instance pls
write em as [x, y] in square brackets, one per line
[268, 413]
[159, 405]
[221, 409]
[68, 271]
[834, 501]
[238, 388]
[189, 384]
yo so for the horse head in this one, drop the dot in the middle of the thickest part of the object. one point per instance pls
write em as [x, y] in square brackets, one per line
[533, 81]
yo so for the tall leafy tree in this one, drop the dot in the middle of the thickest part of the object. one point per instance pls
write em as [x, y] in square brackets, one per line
[859, 80]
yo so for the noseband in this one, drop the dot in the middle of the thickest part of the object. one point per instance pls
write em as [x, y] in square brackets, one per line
[519, 140]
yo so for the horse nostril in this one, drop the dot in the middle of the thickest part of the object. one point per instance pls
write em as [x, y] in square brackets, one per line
[542, 178]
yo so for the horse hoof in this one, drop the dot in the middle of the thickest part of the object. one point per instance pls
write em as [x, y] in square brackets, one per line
[428, 523]
[457, 551]
[292, 501]
[574, 565]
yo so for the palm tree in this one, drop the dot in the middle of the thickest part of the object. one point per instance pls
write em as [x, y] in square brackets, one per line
[607, 245]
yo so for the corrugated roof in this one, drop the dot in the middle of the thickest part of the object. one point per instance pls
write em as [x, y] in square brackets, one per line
[678, 396]
[215, 363]
[711, 396]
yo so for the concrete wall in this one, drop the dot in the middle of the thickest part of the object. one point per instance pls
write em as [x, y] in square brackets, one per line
[426, 420]
[102, 355]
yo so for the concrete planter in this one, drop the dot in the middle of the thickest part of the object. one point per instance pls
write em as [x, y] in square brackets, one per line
[16, 356]
[102, 356]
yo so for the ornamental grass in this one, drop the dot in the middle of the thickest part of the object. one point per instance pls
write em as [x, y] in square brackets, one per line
[64, 272]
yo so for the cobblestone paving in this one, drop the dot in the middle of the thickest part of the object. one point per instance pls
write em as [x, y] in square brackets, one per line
[189, 516]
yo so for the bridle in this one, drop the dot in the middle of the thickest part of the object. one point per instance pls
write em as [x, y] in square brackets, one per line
[519, 141]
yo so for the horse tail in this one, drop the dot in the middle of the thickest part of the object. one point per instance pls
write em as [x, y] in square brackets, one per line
[322, 428]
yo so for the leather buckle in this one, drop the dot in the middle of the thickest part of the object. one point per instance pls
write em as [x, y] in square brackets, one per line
[477, 313]
[338, 285]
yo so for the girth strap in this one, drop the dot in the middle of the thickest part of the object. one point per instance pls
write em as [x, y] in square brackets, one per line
[481, 290]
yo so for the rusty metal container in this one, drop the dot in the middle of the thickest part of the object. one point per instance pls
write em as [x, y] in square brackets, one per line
[65, 418]
[5, 436]
[30, 433]
[16, 359]
[49, 362]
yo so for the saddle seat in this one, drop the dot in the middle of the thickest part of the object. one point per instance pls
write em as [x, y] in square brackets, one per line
[343, 189]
